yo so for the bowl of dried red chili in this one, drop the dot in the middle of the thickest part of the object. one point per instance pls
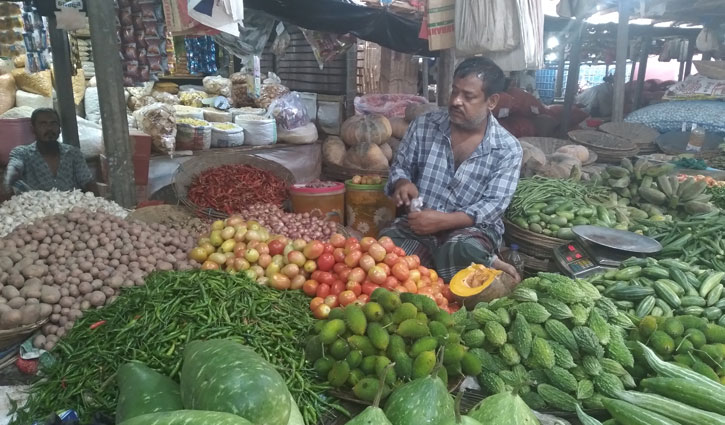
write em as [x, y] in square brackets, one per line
[219, 185]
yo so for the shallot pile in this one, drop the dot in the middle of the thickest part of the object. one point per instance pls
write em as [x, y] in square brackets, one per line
[63, 265]
[30, 206]
[292, 225]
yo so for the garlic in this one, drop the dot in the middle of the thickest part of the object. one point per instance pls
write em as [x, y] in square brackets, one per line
[31, 206]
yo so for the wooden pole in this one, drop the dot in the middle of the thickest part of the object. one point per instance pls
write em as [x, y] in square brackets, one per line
[351, 81]
[101, 15]
[561, 54]
[680, 74]
[446, 66]
[621, 70]
[63, 75]
[642, 72]
[572, 80]
[690, 53]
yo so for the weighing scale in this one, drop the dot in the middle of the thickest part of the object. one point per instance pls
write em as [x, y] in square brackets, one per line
[597, 249]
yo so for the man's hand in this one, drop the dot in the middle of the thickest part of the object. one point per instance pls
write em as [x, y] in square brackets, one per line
[405, 191]
[426, 222]
[507, 268]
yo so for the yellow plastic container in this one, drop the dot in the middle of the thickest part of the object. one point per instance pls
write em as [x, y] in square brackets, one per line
[323, 202]
[367, 209]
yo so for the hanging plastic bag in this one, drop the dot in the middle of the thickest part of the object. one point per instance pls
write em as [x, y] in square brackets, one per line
[252, 38]
[224, 16]
[486, 26]
[326, 46]
[289, 111]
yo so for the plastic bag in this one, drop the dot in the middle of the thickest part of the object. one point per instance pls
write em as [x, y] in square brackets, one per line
[390, 105]
[183, 111]
[258, 130]
[158, 120]
[272, 89]
[93, 107]
[7, 92]
[192, 98]
[326, 46]
[90, 138]
[281, 43]
[39, 83]
[218, 85]
[252, 37]
[241, 96]
[35, 101]
[289, 111]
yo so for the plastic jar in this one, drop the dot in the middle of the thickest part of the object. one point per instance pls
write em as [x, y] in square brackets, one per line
[367, 209]
[322, 202]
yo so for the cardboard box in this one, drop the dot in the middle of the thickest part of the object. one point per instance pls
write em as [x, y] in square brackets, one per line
[441, 16]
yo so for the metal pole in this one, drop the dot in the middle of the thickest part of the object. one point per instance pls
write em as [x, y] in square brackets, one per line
[446, 66]
[559, 84]
[424, 77]
[62, 73]
[101, 15]
[622, 49]
[690, 53]
[572, 80]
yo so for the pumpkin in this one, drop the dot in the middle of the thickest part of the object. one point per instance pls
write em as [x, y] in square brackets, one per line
[414, 110]
[477, 283]
[387, 151]
[394, 143]
[399, 126]
[366, 156]
[576, 151]
[373, 128]
[333, 150]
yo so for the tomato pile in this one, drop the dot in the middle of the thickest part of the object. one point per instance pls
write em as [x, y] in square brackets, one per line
[336, 273]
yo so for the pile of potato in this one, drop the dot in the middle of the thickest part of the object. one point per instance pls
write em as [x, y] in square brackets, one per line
[62, 265]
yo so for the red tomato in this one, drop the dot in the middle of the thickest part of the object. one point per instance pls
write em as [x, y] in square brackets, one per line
[347, 297]
[401, 271]
[355, 287]
[426, 290]
[357, 274]
[313, 250]
[452, 308]
[441, 300]
[424, 271]
[364, 298]
[416, 259]
[414, 275]
[400, 252]
[391, 259]
[410, 286]
[337, 240]
[332, 301]
[400, 289]
[367, 262]
[326, 277]
[446, 292]
[345, 274]
[315, 302]
[425, 281]
[276, 247]
[337, 287]
[322, 311]
[352, 259]
[352, 248]
[338, 267]
[387, 243]
[377, 252]
[325, 262]
[351, 242]
[369, 287]
[390, 283]
[366, 242]
[310, 287]
[323, 290]
[329, 248]
[315, 275]
[339, 255]
[385, 267]
[410, 262]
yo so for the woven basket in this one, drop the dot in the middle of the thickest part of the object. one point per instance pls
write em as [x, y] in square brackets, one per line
[530, 243]
[639, 134]
[10, 337]
[549, 145]
[339, 173]
[608, 147]
[187, 171]
[711, 69]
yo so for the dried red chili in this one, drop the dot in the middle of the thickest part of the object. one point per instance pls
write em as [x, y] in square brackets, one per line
[232, 188]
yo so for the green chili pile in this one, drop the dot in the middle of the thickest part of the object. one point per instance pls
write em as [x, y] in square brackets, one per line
[153, 323]
[697, 240]
[718, 196]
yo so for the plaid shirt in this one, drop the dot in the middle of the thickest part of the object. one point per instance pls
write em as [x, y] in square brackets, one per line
[32, 169]
[481, 187]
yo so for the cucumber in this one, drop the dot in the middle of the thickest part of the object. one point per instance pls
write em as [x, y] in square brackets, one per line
[558, 220]
[686, 392]
[683, 413]
[585, 212]
[672, 263]
[714, 296]
[568, 215]
[630, 293]
[656, 272]
[635, 261]
[666, 294]
[533, 218]
[674, 287]
[690, 300]
[645, 306]
[628, 273]
[712, 313]
[535, 227]
[710, 282]
[629, 414]
[565, 233]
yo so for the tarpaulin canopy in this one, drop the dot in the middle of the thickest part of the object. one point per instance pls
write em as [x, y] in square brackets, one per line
[372, 24]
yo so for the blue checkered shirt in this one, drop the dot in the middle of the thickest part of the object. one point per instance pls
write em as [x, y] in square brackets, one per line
[29, 164]
[481, 187]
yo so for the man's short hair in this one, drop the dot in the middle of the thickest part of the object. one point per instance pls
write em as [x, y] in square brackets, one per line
[493, 78]
[37, 112]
